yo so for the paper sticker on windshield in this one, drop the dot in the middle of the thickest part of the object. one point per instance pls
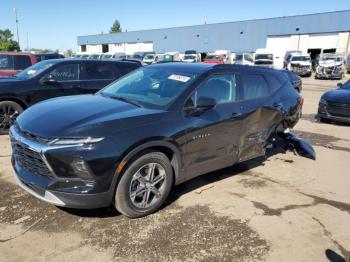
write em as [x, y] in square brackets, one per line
[180, 78]
[31, 72]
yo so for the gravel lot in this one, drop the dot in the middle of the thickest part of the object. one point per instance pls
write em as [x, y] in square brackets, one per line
[283, 208]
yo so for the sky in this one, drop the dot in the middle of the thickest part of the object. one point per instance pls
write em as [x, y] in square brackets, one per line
[56, 24]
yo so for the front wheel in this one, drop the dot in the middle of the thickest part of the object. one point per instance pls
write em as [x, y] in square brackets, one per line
[9, 111]
[144, 186]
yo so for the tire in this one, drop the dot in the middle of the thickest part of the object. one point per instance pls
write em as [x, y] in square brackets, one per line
[325, 120]
[136, 186]
[9, 111]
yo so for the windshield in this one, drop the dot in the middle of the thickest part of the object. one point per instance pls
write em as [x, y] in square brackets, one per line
[149, 57]
[35, 69]
[212, 57]
[6, 62]
[301, 58]
[263, 56]
[188, 52]
[239, 57]
[150, 87]
[189, 57]
[332, 58]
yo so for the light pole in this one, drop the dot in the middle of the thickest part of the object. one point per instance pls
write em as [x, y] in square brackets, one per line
[14, 10]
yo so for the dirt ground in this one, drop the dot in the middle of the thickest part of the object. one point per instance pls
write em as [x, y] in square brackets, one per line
[283, 208]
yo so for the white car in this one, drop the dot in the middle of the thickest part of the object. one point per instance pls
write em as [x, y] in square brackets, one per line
[300, 64]
[190, 58]
[244, 59]
[330, 66]
[149, 59]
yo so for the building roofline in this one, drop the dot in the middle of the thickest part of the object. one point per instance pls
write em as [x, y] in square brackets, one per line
[219, 23]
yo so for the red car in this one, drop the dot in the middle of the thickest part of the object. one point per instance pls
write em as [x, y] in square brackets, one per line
[12, 63]
[214, 59]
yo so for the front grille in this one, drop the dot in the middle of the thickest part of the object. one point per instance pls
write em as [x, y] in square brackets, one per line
[30, 160]
[338, 109]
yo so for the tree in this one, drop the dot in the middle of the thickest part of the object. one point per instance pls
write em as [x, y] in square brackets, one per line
[6, 42]
[116, 28]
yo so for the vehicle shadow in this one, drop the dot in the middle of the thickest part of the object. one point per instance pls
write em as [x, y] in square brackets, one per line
[186, 187]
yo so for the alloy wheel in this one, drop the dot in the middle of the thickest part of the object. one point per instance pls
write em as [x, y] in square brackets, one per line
[147, 186]
[8, 115]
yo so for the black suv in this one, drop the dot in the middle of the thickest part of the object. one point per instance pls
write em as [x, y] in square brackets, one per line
[154, 128]
[53, 78]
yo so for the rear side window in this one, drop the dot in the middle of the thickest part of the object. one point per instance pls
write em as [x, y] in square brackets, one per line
[96, 71]
[254, 86]
[21, 61]
[67, 72]
[6, 62]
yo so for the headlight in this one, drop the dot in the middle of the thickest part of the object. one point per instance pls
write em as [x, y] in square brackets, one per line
[322, 101]
[76, 141]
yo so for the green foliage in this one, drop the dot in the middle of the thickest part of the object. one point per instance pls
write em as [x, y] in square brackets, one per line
[9, 46]
[6, 42]
[116, 28]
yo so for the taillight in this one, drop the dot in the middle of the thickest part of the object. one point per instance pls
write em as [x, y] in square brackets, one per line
[301, 101]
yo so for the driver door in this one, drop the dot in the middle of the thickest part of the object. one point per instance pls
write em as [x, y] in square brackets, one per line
[63, 80]
[213, 136]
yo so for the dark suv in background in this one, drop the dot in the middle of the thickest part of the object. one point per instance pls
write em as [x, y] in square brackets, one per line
[53, 78]
[156, 127]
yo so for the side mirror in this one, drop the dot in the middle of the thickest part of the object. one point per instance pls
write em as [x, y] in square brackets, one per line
[339, 85]
[48, 80]
[203, 104]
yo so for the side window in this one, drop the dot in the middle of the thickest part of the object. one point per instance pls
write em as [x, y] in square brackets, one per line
[6, 62]
[222, 88]
[67, 72]
[21, 61]
[97, 71]
[254, 86]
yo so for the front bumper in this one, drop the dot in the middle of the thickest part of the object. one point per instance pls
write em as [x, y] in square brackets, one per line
[329, 73]
[337, 114]
[302, 70]
[30, 157]
[71, 200]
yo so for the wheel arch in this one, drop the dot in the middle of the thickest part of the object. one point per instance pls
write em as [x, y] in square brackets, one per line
[167, 147]
[16, 100]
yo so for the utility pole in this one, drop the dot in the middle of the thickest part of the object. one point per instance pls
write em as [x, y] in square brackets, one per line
[27, 42]
[15, 10]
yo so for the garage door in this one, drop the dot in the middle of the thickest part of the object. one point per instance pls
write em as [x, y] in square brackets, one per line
[323, 41]
[278, 45]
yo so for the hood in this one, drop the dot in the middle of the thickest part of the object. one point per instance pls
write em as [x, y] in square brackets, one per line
[329, 63]
[83, 116]
[302, 63]
[338, 95]
[9, 79]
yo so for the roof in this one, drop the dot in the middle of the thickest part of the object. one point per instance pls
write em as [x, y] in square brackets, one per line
[190, 67]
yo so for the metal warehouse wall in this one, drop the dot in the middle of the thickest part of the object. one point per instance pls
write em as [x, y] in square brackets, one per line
[235, 36]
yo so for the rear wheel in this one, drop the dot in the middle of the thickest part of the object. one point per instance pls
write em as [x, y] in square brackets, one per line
[9, 111]
[325, 120]
[144, 186]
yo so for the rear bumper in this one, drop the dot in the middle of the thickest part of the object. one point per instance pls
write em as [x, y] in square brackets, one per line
[64, 199]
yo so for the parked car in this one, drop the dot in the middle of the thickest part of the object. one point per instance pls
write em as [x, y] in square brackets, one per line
[118, 56]
[12, 63]
[330, 66]
[214, 59]
[159, 58]
[94, 56]
[264, 59]
[106, 56]
[287, 57]
[47, 56]
[300, 64]
[149, 59]
[347, 63]
[226, 54]
[335, 104]
[171, 57]
[159, 126]
[294, 79]
[53, 78]
[193, 58]
[244, 59]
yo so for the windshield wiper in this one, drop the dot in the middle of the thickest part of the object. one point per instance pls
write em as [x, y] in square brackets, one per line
[121, 98]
